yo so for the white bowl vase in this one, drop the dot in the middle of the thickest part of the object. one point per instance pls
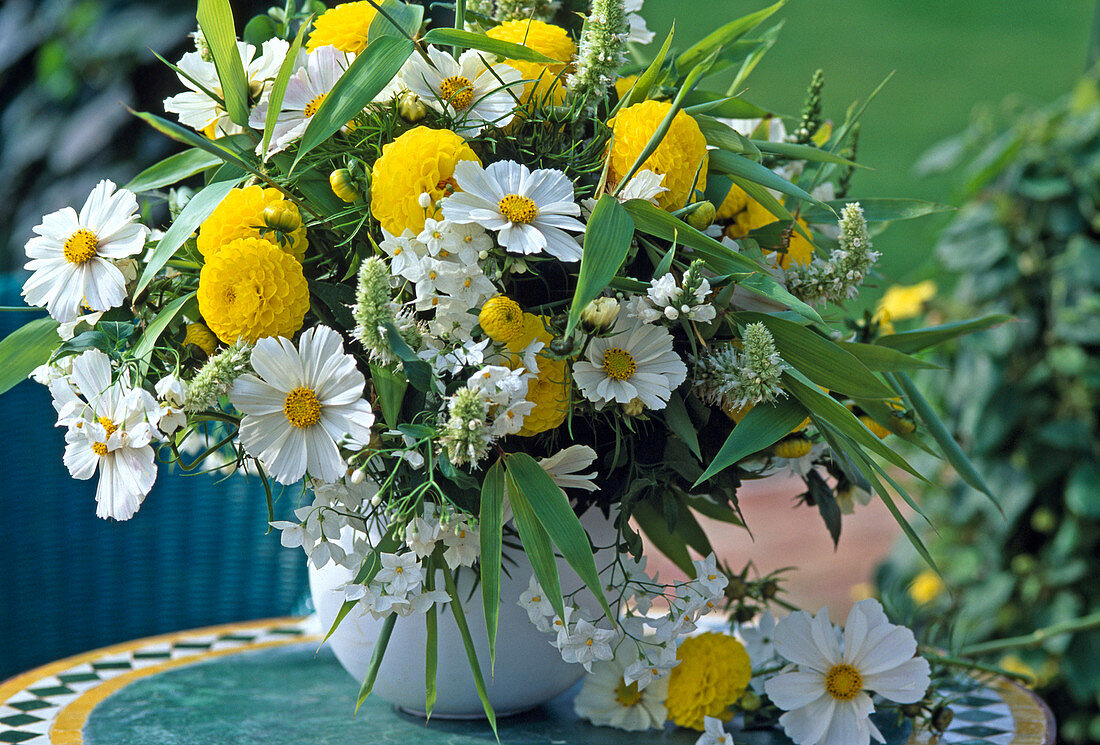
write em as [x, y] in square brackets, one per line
[529, 671]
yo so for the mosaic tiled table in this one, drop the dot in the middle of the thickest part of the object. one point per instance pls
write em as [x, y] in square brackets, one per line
[267, 683]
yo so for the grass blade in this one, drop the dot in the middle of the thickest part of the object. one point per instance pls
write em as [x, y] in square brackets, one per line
[376, 659]
[470, 40]
[215, 19]
[173, 169]
[645, 82]
[431, 648]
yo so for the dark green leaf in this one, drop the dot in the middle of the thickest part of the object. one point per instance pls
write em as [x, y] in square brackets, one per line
[26, 348]
[762, 427]
[173, 169]
[822, 495]
[677, 419]
[883, 359]
[431, 647]
[914, 341]
[390, 385]
[417, 371]
[653, 525]
[732, 164]
[875, 210]
[380, 645]
[537, 546]
[813, 154]
[606, 243]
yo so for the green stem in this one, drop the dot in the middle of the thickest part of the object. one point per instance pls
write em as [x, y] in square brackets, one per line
[972, 665]
[1035, 638]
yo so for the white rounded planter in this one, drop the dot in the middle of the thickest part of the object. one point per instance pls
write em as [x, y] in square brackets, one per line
[529, 671]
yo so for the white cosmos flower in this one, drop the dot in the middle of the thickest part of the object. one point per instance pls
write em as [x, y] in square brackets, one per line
[110, 433]
[826, 694]
[202, 113]
[635, 361]
[305, 91]
[529, 210]
[607, 700]
[73, 255]
[467, 90]
[305, 400]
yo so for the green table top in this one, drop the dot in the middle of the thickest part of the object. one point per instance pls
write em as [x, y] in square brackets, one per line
[268, 683]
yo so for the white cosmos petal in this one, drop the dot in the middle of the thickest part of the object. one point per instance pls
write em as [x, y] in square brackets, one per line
[806, 725]
[254, 396]
[905, 683]
[793, 640]
[847, 726]
[794, 690]
[277, 362]
[324, 461]
[825, 638]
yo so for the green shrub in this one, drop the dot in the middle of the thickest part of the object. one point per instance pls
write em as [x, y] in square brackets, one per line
[1026, 400]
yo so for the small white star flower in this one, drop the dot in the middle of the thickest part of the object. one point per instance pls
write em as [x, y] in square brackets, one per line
[305, 401]
[529, 210]
[714, 733]
[586, 644]
[73, 255]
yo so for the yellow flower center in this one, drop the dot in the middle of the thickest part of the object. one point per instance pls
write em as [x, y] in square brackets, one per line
[302, 408]
[517, 208]
[619, 363]
[843, 682]
[627, 695]
[458, 91]
[312, 106]
[81, 246]
[99, 448]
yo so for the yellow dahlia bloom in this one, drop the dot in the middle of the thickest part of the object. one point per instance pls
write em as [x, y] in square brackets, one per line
[756, 215]
[201, 337]
[714, 671]
[241, 215]
[501, 319]
[250, 289]
[550, 391]
[344, 27]
[544, 38]
[736, 200]
[421, 160]
[681, 154]
[900, 301]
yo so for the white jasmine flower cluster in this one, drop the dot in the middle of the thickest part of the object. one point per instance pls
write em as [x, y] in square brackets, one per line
[826, 691]
[399, 587]
[840, 277]
[733, 378]
[460, 536]
[668, 300]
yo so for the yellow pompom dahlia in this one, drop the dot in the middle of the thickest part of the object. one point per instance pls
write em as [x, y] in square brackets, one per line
[756, 215]
[344, 27]
[681, 154]
[550, 391]
[736, 200]
[421, 160]
[501, 319]
[544, 38]
[201, 337]
[714, 671]
[241, 215]
[250, 289]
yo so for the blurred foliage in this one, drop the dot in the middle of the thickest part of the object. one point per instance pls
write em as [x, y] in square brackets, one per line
[1025, 398]
[68, 69]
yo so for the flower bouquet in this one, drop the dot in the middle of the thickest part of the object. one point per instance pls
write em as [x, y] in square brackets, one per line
[492, 302]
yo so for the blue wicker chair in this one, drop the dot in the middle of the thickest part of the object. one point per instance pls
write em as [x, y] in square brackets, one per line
[195, 555]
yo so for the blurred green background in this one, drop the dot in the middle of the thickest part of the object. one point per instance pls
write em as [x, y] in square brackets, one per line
[948, 57]
[68, 66]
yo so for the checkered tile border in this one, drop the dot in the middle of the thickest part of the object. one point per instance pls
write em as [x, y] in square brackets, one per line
[26, 716]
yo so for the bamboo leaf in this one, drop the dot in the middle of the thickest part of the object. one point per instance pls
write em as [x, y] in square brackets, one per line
[606, 244]
[194, 212]
[26, 348]
[882, 359]
[721, 135]
[724, 35]
[407, 16]
[537, 546]
[550, 505]
[468, 643]
[481, 42]
[722, 161]
[816, 155]
[390, 385]
[763, 426]
[492, 526]
[173, 169]
[915, 341]
[875, 210]
[654, 526]
[376, 659]
[431, 647]
[219, 147]
[767, 41]
[819, 359]
[729, 107]
[278, 88]
[677, 419]
[645, 82]
[153, 331]
[371, 71]
[215, 19]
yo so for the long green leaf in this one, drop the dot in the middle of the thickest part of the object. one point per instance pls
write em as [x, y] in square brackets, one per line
[173, 169]
[874, 210]
[491, 531]
[677, 419]
[468, 643]
[376, 659]
[763, 426]
[551, 507]
[278, 88]
[645, 82]
[723, 136]
[951, 450]
[390, 386]
[767, 41]
[481, 42]
[371, 71]
[689, 529]
[883, 359]
[915, 341]
[189, 219]
[827, 408]
[537, 546]
[724, 35]
[215, 19]
[219, 147]
[431, 647]
[153, 331]
[715, 104]
[820, 359]
[396, 18]
[813, 154]
[606, 244]
[26, 348]
[653, 525]
[653, 220]
[732, 164]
